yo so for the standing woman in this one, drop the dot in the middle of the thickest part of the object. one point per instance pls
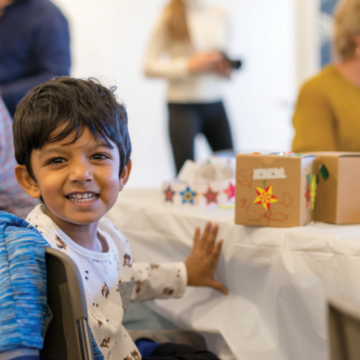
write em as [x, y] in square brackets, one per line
[327, 114]
[187, 48]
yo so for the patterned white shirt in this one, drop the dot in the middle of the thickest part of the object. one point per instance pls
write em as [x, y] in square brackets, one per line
[108, 279]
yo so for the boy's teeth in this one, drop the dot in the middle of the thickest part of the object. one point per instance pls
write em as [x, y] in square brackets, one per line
[83, 197]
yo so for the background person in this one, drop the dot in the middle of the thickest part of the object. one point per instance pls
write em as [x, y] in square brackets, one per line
[13, 198]
[327, 114]
[193, 36]
[34, 47]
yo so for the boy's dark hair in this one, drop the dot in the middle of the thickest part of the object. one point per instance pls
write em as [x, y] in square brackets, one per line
[77, 104]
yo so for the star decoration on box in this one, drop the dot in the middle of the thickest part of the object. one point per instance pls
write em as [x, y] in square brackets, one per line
[188, 196]
[169, 194]
[230, 191]
[313, 191]
[265, 197]
[308, 190]
[211, 196]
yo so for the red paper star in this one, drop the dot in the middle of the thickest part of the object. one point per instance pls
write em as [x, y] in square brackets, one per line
[211, 196]
[169, 194]
[230, 191]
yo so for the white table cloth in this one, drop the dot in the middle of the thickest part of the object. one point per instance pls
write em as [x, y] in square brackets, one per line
[278, 278]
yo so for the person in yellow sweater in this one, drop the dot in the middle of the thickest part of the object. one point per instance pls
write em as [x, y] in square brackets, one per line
[327, 114]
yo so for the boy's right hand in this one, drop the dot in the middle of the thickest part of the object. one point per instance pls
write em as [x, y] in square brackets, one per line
[202, 261]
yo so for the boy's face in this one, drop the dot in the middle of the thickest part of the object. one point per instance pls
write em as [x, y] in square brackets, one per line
[78, 182]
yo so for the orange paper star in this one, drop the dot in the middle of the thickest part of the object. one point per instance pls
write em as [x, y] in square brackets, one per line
[265, 197]
[169, 194]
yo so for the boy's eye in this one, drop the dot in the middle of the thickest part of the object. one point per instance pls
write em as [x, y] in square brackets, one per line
[99, 157]
[57, 160]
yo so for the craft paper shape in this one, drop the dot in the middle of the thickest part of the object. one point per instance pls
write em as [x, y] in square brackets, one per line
[308, 190]
[211, 196]
[188, 196]
[169, 194]
[265, 197]
[313, 191]
[324, 172]
[230, 191]
[271, 173]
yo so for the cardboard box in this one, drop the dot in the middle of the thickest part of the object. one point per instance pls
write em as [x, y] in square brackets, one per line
[208, 183]
[274, 190]
[338, 190]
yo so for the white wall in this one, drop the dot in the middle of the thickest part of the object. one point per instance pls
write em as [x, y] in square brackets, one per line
[108, 41]
[308, 38]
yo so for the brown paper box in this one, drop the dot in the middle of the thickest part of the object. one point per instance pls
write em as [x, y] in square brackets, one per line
[289, 179]
[338, 196]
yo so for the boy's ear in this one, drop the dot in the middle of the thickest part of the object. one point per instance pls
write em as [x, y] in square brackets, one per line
[27, 182]
[124, 177]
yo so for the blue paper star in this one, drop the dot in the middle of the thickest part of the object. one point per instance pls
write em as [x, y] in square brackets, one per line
[188, 196]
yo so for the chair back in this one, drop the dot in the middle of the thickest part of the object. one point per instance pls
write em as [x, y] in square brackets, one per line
[67, 336]
[344, 328]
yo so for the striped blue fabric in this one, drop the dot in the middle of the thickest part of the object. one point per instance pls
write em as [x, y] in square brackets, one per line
[22, 284]
[97, 353]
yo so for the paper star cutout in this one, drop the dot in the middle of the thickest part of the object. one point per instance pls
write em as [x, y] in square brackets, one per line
[265, 197]
[313, 191]
[211, 196]
[308, 190]
[188, 196]
[230, 191]
[169, 194]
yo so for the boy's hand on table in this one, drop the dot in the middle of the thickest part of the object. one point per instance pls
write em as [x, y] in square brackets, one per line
[202, 261]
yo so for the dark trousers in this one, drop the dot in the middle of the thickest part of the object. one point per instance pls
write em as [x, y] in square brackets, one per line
[171, 351]
[187, 120]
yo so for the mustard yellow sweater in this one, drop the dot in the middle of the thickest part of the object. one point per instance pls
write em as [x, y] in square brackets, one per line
[327, 114]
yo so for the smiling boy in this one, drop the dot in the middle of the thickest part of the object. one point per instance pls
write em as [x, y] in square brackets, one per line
[73, 150]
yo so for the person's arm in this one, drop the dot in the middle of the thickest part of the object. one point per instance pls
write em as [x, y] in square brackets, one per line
[23, 285]
[12, 197]
[51, 45]
[314, 122]
[158, 63]
[170, 280]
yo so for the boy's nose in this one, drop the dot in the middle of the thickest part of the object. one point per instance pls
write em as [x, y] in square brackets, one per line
[81, 173]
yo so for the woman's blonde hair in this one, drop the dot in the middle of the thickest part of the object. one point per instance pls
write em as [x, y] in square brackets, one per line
[347, 26]
[175, 15]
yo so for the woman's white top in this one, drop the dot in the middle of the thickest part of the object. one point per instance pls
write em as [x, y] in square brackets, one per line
[208, 28]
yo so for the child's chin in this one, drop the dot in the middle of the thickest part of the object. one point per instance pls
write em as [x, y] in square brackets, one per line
[85, 219]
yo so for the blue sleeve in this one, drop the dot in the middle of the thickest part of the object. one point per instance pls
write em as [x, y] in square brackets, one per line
[51, 48]
[22, 285]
